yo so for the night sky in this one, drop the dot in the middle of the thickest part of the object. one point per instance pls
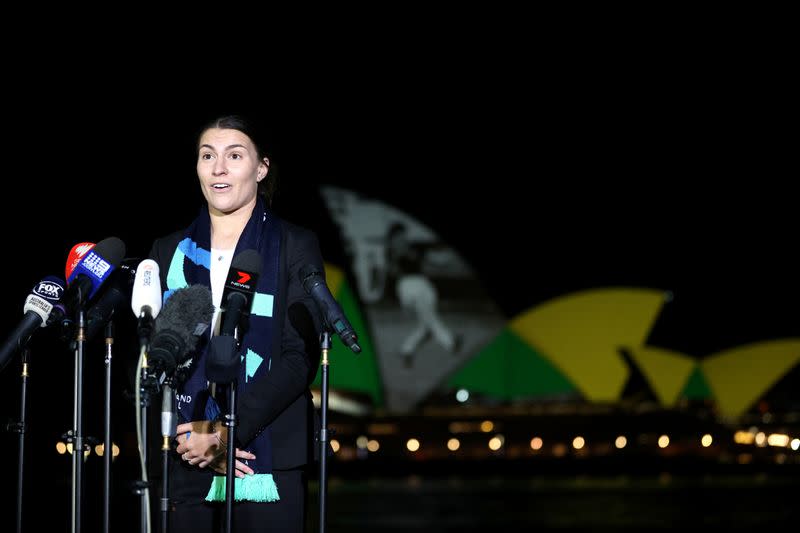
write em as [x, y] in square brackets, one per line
[548, 171]
[540, 201]
[581, 174]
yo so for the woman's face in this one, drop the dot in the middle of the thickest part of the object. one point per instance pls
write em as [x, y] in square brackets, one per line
[229, 170]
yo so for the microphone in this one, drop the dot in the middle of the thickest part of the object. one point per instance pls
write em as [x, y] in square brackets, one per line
[240, 287]
[146, 298]
[184, 318]
[314, 284]
[75, 255]
[93, 269]
[87, 276]
[222, 360]
[117, 292]
[169, 421]
[38, 306]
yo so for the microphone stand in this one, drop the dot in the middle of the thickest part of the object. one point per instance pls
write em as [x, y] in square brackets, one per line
[108, 447]
[333, 320]
[230, 478]
[168, 432]
[325, 346]
[19, 427]
[77, 432]
[222, 367]
[147, 384]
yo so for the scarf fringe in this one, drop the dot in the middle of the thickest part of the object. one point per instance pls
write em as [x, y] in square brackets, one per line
[255, 488]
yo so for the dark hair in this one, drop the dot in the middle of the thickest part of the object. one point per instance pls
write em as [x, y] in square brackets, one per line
[266, 187]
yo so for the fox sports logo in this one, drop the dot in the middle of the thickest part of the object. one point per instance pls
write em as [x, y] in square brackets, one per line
[50, 290]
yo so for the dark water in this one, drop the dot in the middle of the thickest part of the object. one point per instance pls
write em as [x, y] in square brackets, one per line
[489, 503]
[626, 493]
[558, 504]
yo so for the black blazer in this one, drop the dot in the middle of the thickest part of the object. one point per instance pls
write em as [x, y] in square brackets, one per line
[280, 399]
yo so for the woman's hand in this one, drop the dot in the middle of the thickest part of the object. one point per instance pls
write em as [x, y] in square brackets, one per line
[204, 443]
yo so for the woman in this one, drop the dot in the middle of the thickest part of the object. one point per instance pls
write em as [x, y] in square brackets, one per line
[279, 350]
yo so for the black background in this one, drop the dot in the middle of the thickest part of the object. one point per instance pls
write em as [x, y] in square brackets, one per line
[541, 196]
[669, 171]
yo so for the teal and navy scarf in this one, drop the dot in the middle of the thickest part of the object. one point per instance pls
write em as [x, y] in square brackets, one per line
[189, 266]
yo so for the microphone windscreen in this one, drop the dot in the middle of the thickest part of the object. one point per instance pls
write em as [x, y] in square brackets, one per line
[92, 270]
[115, 293]
[248, 260]
[310, 276]
[308, 270]
[239, 288]
[186, 313]
[75, 255]
[111, 249]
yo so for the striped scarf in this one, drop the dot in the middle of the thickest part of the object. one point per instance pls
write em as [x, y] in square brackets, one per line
[191, 265]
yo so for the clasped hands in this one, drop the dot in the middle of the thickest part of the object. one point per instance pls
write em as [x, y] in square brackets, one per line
[204, 443]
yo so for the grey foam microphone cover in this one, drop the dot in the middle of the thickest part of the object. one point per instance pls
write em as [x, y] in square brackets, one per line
[185, 316]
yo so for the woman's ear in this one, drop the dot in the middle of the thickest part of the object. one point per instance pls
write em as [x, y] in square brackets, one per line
[263, 169]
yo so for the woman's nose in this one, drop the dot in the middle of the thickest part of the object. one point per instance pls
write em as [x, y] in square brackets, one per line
[219, 167]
